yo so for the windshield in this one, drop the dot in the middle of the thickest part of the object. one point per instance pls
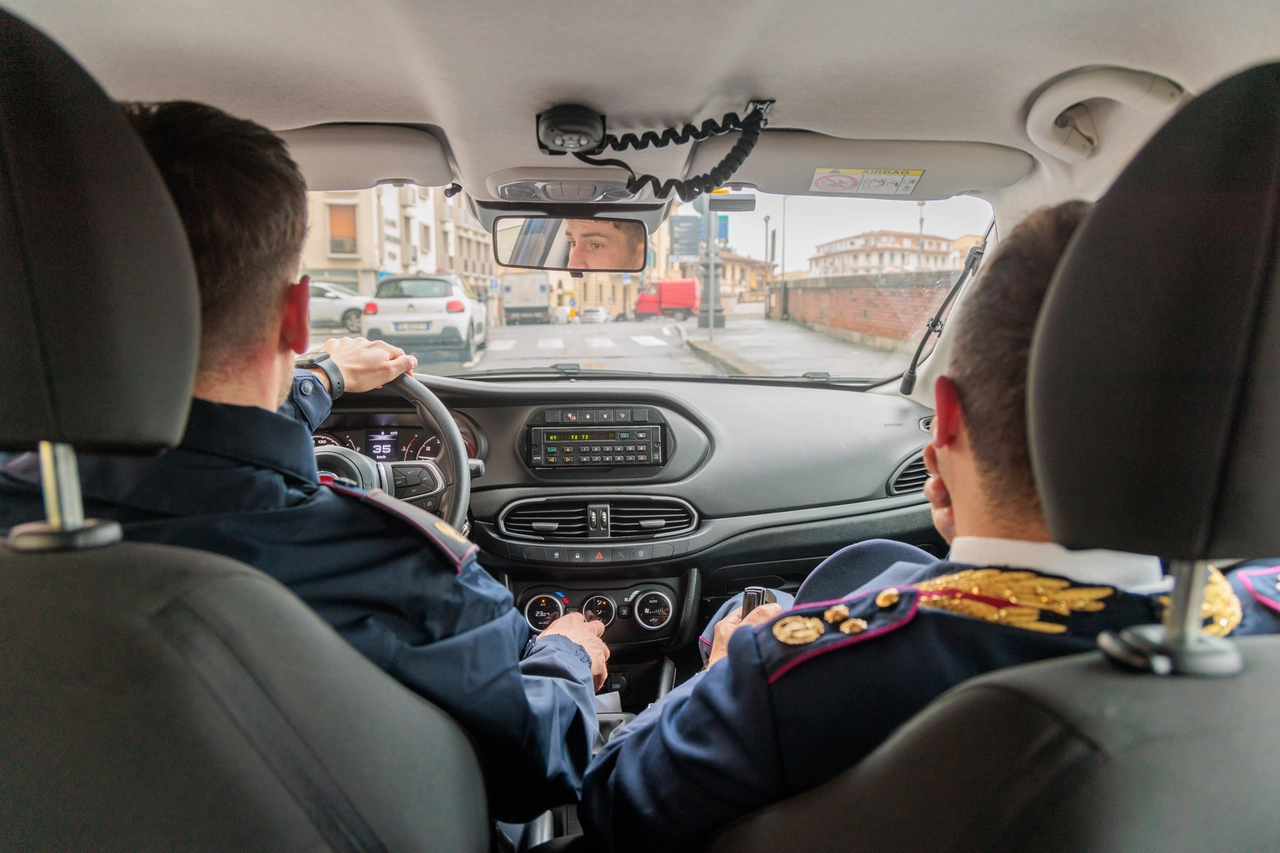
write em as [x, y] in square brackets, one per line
[832, 286]
[423, 288]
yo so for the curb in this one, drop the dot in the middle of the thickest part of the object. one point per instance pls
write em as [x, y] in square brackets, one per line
[720, 358]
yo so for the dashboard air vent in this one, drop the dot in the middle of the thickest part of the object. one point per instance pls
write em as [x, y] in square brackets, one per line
[641, 518]
[910, 477]
[548, 520]
[630, 517]
[926, 423]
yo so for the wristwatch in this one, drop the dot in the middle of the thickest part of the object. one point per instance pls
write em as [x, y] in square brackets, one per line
[322, 361]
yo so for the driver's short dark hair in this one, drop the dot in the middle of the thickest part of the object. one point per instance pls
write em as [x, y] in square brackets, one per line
[988, 360]
[244, 205]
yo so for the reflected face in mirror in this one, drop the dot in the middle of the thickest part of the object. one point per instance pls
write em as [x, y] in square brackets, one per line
[603, 245]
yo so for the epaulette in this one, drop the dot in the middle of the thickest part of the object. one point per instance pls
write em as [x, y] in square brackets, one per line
[1263, 584]
[1018, 598]
[1220, 610]
[456, 548]
[815, 629]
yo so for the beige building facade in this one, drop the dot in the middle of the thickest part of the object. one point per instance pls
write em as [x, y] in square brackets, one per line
[883, 252]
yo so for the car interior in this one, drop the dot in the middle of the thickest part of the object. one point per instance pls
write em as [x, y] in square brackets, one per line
[162, 698]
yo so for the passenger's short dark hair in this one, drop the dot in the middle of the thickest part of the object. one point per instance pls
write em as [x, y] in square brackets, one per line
[988, 360]
[244, 205]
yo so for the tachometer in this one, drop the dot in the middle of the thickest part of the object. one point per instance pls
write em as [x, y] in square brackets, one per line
[423, 445]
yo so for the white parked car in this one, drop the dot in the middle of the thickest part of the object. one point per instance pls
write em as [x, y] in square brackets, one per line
[334, 306]
[596, 315]
[427, 313]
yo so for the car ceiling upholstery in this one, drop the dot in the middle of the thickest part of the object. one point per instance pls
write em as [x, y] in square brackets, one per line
[479, 70]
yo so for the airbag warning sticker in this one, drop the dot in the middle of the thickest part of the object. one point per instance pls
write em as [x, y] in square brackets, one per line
[866, 181]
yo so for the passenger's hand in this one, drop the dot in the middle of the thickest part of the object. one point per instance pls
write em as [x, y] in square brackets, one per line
[586, 634]
[935, 490]
[366, 364]
[732, 622]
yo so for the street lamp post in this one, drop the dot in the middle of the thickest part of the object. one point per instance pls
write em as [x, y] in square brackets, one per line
[764, 253]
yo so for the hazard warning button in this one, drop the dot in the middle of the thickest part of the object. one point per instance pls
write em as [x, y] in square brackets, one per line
[598, 555]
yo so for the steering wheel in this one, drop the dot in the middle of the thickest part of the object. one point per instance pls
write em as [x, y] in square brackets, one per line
[443, 485]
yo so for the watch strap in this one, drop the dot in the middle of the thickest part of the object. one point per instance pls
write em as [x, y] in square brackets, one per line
[322, 360]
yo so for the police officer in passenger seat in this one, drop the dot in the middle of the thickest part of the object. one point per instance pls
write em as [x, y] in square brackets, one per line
[798, 697]
[244, 484]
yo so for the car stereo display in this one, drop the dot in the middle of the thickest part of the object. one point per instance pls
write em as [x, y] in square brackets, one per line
[552, 447]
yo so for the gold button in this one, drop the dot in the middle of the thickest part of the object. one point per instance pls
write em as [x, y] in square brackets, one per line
[836, 614]
[798, 630]
[853, 626]
[887, 597]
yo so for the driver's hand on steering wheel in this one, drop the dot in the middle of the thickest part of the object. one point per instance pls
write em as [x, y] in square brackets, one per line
[365, 364]
[586, 634]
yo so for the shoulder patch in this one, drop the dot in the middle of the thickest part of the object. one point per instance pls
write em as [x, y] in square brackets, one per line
[1263, 584]
[1017, 598]
[806, 632]
[455, 547]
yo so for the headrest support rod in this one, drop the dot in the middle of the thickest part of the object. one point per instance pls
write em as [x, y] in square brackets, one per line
[1180, 646]
[60, 481]
[65, 527]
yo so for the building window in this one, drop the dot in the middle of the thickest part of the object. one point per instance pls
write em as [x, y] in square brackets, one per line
[426, 238]
[342, 229]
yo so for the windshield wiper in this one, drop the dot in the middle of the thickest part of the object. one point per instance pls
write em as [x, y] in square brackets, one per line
[935, 324]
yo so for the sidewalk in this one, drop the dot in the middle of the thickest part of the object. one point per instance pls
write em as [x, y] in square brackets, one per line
[753, 346]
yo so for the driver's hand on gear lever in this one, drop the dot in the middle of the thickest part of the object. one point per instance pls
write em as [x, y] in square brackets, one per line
[586, 634]
[365, 364]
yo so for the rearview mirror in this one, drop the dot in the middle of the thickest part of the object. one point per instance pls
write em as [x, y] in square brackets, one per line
[550, 243]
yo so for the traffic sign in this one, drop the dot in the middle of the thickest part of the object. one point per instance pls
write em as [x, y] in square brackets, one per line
[573, 303]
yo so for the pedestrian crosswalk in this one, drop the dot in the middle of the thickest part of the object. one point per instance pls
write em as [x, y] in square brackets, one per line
[599, 341]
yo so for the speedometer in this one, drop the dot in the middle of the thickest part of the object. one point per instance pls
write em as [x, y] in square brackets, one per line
[323, 439]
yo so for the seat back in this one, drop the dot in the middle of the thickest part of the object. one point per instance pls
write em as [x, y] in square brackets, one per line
[1153, 408]
[157, 698]
[1069, 755]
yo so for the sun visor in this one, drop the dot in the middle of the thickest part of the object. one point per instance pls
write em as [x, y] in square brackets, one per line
[801, 163]
[359, 156]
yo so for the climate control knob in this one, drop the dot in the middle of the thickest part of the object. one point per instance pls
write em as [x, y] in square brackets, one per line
[599, 608]
[541, 610]
[653, 610]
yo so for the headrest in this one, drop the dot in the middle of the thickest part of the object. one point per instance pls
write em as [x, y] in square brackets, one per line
[1154, 385]
[101, 317]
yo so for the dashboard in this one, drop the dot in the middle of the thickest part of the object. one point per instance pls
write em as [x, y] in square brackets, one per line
[644, 504]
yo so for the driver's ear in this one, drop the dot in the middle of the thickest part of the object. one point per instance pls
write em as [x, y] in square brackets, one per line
[295, 316]
[948, 416]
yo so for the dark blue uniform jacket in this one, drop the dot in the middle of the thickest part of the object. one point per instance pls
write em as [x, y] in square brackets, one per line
[806, 696]
[244, 484]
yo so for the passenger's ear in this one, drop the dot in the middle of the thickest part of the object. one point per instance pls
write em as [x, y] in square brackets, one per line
[295, 319]
[948, 417]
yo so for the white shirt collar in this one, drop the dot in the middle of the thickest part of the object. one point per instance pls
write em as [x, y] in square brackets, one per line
[1129, 572]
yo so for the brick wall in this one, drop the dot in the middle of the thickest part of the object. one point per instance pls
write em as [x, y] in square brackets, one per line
[875, 310]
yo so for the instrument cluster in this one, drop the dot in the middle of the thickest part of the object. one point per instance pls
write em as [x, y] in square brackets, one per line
[394, 442]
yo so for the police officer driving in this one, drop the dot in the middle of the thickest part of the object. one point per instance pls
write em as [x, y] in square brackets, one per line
[791, 699]
[410, 596]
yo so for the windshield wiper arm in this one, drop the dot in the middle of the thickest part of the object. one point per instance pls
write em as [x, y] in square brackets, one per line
[935, 324]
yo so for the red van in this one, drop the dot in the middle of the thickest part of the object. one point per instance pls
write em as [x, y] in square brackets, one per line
[676, 298]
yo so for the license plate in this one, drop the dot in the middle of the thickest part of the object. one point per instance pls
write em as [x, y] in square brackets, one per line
[412, 327]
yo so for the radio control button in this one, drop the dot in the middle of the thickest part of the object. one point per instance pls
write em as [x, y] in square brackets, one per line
[642, 435]
[642, 457]
[605, 416]
[631, 458]
[622, 415]
[587, 416]
[595, 458]
[569, 416]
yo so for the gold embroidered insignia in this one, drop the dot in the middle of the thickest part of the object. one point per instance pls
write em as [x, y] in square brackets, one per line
[853, 626]
[449, 530]
[798, 630]
[1014, 598]
[836, 614]
[1220, 611]
[887, 598]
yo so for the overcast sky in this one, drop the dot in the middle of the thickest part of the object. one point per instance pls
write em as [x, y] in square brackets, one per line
[811, 220]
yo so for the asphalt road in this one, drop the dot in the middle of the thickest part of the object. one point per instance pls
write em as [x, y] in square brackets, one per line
[650, 346]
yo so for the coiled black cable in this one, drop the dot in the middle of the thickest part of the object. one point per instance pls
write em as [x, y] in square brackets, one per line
[689, 188]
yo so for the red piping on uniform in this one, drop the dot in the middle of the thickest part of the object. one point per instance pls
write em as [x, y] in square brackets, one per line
[969, 596]
[840, 644]
[1246, 578]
